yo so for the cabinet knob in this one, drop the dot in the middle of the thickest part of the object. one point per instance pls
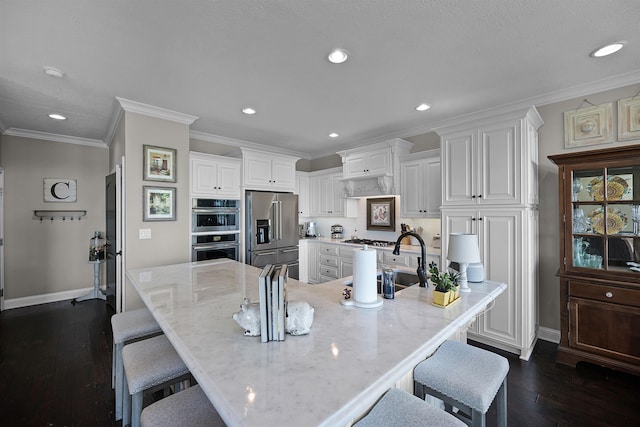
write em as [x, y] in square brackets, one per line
[609, 294]
[479, 196]
[473, 196]
[473, 219]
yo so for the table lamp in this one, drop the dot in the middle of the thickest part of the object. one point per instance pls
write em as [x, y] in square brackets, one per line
[463, 249]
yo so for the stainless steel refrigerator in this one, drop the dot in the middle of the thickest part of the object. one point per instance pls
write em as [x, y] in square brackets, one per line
[272, 230]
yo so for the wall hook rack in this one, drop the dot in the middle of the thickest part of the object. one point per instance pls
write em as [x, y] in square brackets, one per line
[59, 214]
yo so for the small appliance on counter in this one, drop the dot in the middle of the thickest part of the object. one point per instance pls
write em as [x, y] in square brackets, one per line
[311, 230]
[336, 231]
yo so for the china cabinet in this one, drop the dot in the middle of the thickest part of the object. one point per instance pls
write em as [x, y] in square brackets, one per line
[600, 257]
[420, 185]
[214, 176]
[490, 188]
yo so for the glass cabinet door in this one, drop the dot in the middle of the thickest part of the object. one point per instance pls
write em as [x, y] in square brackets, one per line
[605, 220]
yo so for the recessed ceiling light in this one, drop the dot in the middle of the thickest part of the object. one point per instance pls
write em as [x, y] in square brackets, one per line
[338, 56]
[57, 116]
[249, 111]
[53, 72]
[333, 135]
[423, 107]
[609, 49]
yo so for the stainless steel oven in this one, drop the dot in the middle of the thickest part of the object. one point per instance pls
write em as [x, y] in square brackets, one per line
[215, 246]
[215, 215]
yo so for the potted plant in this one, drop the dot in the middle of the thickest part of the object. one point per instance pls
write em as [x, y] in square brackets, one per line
[445, 285]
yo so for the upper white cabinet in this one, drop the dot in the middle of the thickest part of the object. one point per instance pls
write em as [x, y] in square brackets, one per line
[268, 171]
[302, 190]
[214, 176]
[420, 185]
[492, 161]
[326, 193]
[370, 163]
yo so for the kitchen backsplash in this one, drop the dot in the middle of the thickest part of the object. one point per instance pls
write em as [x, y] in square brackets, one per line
[358, 226]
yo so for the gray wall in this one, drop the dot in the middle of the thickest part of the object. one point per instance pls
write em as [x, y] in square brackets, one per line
[48, 257]
[169, 243]
[551, 138]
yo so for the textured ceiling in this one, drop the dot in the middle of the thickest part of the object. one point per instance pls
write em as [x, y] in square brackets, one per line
[212, 58]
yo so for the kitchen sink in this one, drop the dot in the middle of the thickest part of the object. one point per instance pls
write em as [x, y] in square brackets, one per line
[402, 279]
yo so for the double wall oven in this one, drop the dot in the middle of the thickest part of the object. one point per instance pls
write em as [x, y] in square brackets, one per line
[215, 229]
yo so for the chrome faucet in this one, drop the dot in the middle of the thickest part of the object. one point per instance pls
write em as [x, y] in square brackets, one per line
[422, 271]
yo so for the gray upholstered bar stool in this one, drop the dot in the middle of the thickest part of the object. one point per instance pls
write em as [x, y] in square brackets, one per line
[399, 408]
[149, 365]
[467, 378]
[190, 407]
[128, 327]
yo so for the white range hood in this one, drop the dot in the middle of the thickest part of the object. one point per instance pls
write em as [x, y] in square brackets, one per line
[373, 170]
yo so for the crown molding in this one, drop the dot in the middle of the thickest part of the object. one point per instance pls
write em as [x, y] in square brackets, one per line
[150, 110]
[33, 134]
[239, 143]
[116, 115]
[2, 127]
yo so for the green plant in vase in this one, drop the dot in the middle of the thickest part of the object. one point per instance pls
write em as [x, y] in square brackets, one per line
[445, 284]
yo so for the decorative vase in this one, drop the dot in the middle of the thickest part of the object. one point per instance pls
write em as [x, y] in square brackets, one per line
[441, 298]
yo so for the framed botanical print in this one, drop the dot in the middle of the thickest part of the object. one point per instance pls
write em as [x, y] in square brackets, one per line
[588, 126]
[381, 214]
[159, 203]
[159, 164]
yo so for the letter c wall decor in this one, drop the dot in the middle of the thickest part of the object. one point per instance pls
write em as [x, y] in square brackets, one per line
[60, 190]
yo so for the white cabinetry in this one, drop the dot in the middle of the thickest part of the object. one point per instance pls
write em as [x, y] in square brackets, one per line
[303, 260]
[420, 185]
[369, 163]
[490, 188]
[302, 190]
[494, 162]
[214, 176]
[326, 192]
[268, 171]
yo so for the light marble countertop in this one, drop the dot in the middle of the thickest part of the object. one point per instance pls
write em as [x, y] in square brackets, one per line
[326, 378]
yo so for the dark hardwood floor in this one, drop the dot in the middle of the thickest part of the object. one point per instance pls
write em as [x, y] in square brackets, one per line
[55, 364]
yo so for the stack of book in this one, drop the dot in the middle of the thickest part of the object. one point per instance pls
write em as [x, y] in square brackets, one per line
[273, 302]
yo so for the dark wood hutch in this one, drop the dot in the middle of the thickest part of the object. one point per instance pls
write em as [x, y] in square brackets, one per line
[600, 257]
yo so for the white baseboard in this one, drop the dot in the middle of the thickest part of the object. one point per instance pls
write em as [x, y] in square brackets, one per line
[44, 298]
[548, 334]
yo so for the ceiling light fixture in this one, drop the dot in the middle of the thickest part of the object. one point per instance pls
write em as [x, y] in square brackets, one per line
[423, 107]
[338, 56]
[57, 116]
[53, 72]
[249, 111]
[608, 49]
[333, 135]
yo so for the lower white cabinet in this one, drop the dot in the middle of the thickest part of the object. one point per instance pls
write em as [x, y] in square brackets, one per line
[314, 267]
[508, 248]
[303, 260]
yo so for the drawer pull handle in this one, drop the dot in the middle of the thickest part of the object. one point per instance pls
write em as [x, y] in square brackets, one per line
[608, 294]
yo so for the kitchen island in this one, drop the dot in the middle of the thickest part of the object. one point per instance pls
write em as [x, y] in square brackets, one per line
[329, 377]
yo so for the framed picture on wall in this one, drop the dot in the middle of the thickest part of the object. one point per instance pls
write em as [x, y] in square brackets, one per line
[159, 203]
[159, 164]
[381, 214]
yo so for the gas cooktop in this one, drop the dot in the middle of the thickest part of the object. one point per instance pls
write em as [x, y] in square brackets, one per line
[370, 242]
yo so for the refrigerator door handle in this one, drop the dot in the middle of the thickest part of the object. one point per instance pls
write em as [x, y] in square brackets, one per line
[274, 221]
[279, 220]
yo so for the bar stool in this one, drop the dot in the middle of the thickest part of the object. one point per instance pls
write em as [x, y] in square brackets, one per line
[466, 377]
[149, 365]
[399, 408]
[128, 327]
[190, 407]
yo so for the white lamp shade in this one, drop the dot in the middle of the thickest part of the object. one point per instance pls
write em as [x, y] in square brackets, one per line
[463, 248]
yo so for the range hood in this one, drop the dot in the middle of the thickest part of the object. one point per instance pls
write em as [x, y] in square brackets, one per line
[373, 170]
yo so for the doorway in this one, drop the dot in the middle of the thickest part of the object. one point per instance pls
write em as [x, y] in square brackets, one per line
[114, 236]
